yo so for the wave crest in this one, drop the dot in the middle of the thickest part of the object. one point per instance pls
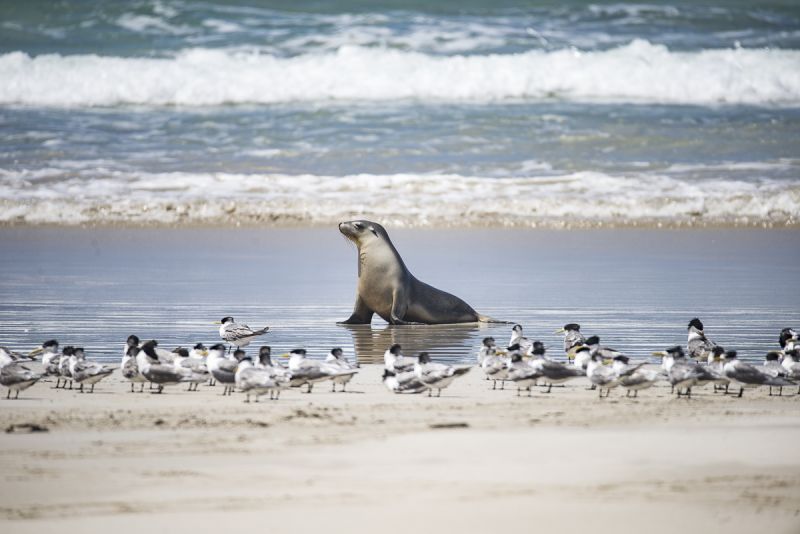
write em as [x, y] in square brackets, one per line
[640, 72]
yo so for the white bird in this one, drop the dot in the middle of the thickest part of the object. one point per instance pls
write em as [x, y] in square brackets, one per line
[86, 372]
[572, 339]
[436, 375]
[791, 362]
[641, 378]
[402, 382]
[63, 367]
[309, 372]
[221, 368]
[129, 367]
[258, 381]
[607, 376]
[337, 358]
[523, 375]
[525, 344]
[239, 335]
[772, 366]
[552, 372]
[681, 373]
[13, 374]
[50, 357]
[749, 376]
[787, 339]
[495, 366]
[697, 344]
[156, 372]
[394, 361]
[195, 367]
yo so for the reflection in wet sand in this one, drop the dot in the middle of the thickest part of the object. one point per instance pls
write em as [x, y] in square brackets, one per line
[457, 342]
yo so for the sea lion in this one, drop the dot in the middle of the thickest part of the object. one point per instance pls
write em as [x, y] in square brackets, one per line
[387, 287]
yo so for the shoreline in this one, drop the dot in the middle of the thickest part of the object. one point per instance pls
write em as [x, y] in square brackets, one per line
[474, 458]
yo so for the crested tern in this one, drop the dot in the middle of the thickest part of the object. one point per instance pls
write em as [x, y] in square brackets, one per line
[252, 380]
[13, 374]
[50, 357]
[697, 344]
[337, 358]
[436, 375]
[309, 372]
[495, 366]
[406, 382]
[129, 367]
[642, 378]
[86, 372]
[237, 334]
[772, 366]
[523, 375]
[749, 376]
[681, 373]
[791, 362]
[525, 344]
[63, 366]
[153, 369]
[394, 361]
[572, 339]
[552, 372]
[221, 368]
[194, 367]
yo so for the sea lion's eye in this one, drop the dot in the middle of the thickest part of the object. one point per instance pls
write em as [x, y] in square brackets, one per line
[357, 226]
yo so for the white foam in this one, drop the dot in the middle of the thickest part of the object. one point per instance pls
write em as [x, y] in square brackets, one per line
[60, 197]
[639, 72]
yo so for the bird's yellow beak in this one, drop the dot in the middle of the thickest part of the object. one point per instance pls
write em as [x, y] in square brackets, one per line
[35, 352]
[204, 353]
[660, 353]
[284, 355]
[559, 331]
[217, 322]
[607, 361]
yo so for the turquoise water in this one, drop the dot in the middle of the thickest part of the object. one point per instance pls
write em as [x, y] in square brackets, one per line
[516, 113]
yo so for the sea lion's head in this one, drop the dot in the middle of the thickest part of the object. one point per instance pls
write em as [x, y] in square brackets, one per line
[363, 232]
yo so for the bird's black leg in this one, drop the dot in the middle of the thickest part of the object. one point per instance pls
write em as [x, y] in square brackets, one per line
[334, 387]
[549, 387]
[494, 384]
[741, 392]
[92, 391]
[8, 395]
[17, 395]
[439, 394]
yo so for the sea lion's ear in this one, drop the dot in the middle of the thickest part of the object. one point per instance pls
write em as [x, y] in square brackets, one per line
[372, 229]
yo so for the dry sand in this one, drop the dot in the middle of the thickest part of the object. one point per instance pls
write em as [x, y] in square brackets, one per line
[368, 460]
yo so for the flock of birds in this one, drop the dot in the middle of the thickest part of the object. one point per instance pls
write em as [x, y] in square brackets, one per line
[523, 363]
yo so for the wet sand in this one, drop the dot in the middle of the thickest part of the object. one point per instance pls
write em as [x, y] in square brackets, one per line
[474, 460]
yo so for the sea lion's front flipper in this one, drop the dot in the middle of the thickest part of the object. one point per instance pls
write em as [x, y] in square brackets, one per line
[361, 313]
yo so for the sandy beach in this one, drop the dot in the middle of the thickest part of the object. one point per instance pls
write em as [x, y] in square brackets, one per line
[470, 461]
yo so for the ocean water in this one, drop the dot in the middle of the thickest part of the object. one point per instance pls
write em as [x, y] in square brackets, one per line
[451, 113]
[636, 289]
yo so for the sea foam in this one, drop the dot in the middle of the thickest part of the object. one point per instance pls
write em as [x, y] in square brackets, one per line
[60, 197]
[639, 72]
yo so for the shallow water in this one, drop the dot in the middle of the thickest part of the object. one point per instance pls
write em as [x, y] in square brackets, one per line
[637, 289]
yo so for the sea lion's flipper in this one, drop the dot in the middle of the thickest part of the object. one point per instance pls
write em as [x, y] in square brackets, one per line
[361, 313]
[399, 307]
